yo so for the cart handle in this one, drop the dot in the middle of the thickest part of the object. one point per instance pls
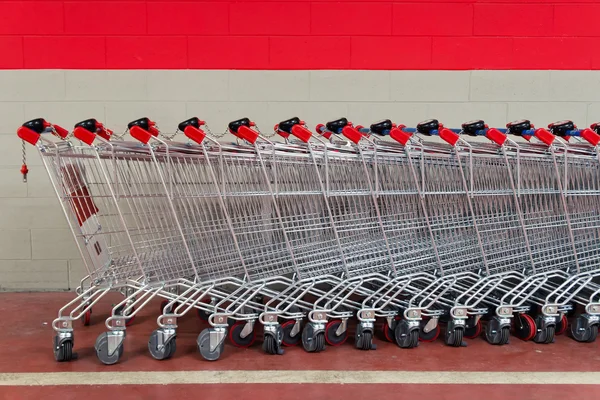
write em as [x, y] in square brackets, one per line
[143, 129]
[87, 130]
[31, 130]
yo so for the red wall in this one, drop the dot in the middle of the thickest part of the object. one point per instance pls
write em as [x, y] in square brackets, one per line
[287, 34]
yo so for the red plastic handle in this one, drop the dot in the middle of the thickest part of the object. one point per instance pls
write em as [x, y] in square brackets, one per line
[496, 136]
[62, 132]
[84, 135]
[321, 130]
[352, 134]
[301, 133]
[28, 135]
[448, 136]
[400, 136]
[545, 136]
[140, 134]
[592, 137]
[195, 134]
[247, 134]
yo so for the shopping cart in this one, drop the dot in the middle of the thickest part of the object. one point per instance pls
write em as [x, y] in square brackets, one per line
[327, 227]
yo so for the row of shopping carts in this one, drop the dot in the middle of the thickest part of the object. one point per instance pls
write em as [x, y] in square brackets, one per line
[385, 226]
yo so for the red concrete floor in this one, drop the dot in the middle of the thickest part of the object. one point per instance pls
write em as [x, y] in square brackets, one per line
[26, 347]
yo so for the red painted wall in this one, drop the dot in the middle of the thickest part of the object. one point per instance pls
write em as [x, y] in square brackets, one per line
[288, 34]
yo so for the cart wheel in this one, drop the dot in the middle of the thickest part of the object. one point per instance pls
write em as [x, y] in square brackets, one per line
[288, 339]
[313, 340]
[333, 339]
[86, 318]
[235, 335]
[272, 341]
[497, 333]
[430, 336]
[473, 332]
[203, 343]
[366, 342]
[102, 350]
[454, 336]
[119, 311]
[562, 325]
[524, 327]
[545, 331]
[64, 351]
[582, 331]
[166, 351]
[406, 337]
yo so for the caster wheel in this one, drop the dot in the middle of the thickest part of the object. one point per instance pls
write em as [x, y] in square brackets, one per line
[102, 350]
[454, 336]
[64, 351]
[333, 339]
[272, 341]
[388, 333]
[119, 311]
[430, 336]
[406, 337]
[561, 325]
[288, 339]
[473, 332]
[524, 327]
[313, 340]
[496, 333]
[545, 331]
[86, 318]
[582, 331]
[203, 343]
[163, 353]
[365, 342]
[235, 335]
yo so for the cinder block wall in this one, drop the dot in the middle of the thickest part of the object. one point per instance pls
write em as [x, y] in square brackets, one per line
[454, 60]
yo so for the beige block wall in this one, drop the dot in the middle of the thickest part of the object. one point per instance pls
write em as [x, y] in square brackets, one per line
[37, 251]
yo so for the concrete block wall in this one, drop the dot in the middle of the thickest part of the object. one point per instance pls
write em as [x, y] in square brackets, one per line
[118, 60]
[37, 250]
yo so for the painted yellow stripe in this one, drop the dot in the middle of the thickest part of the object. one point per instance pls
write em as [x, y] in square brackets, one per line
[282, 377]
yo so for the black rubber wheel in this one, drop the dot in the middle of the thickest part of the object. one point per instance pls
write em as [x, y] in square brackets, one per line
[524, 327]
[288, 339]
[414, 338]
[367, 340]
[545, 336]
[331, 336]
[582, 332]
[430, 336]
[405, 336]
[235, 335]
[269, 345]
[458, 337]
[320, 342]
[64, 351]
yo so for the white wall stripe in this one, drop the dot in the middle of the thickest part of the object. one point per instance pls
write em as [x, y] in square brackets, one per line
[283, 377]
